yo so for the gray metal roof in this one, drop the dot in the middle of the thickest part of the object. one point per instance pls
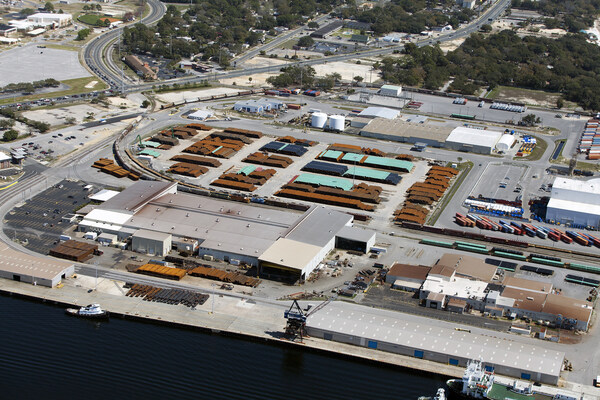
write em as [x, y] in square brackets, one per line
[356, 234]
[218, 224]
[138, 195]
[318, 226]
[151, 235]
[391, 327]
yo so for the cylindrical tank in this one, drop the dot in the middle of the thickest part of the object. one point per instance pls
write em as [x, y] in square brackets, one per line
[505, 142]
[318, 120]
[337, 122]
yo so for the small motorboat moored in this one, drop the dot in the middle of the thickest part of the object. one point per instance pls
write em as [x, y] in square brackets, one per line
[93, 311]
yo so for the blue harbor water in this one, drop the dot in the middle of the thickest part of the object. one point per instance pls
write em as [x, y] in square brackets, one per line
[48, 355]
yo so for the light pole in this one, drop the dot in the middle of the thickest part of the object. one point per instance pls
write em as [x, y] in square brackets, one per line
[212, 307]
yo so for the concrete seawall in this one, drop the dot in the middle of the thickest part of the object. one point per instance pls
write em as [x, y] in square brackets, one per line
[236, 318]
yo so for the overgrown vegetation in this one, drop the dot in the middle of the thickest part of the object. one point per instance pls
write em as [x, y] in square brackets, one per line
[218, 29]
[412, 16]
[29, 87]
[10, 113]
[568, 65]
[572, 15]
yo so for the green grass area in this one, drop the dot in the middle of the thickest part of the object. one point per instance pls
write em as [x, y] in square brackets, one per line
[464, 169]
[92, 19]
[587, 166]
[537, 153]
[76, 86]
[62, 47]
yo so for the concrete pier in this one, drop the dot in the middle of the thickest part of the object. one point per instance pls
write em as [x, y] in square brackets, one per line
[238, 317]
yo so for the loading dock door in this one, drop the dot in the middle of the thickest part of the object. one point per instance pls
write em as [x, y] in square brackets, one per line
[453, 361]
[419, 353]
[525, 376]
[372, 344]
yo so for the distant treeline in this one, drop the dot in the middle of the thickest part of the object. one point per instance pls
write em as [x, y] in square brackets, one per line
[572, 15]
[29, 87]
[569, 65]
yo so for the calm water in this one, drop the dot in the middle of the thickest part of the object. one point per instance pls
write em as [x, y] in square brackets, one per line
[45, 354]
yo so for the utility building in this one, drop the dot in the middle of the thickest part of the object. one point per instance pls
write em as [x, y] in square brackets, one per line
[150, 242]
[575, 202]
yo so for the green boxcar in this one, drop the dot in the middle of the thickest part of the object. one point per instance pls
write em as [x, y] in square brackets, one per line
[506, 268]
[547, 262]
[510, 255]
[436, 243]
[481, 246]
[585, 268]
[473, 249]
[580, 282]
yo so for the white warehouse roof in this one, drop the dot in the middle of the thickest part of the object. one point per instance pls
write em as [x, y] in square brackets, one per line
[474, 137]
[591, 186]
[104, 195]
[394, 328]
[379, 112]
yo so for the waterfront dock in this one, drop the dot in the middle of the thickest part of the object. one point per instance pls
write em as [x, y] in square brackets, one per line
[258, 319]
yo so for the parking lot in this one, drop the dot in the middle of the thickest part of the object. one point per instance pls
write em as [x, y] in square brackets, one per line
[30, 63]
[501, 181]
[38, 222]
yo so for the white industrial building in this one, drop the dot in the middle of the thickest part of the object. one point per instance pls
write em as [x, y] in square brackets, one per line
[480, 141]
[505, 143]
[379, 112]
[411, 336]
[574, 202]
[151, 242]
[200, 115]
[158, 219]
[49, 19]
[258, 106]
[390, 90]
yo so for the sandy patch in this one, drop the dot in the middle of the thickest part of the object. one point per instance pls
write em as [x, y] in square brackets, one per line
[193, 94]
[347, 70]
[451, 45]
[58, 116]
[265, 62]
[91, 84]
[123, 102]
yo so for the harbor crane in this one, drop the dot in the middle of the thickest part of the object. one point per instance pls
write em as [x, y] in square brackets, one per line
[296, 318]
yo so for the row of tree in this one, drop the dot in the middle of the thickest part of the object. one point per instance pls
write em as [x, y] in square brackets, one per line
[572, 15]
[29, 87]
[569, 65]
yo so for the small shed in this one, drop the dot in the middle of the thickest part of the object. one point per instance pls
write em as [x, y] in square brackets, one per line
[107, 239]
[151, 242]
[390, 90]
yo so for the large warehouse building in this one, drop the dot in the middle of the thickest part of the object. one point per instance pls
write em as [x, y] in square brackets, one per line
[22, 267]
[478, 141]
[398, 130]
[281, 242]
[575, 202]
[407, 335]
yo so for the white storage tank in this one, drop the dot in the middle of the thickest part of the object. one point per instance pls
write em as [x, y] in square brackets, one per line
[337, 123]
[505, 143]
[318, 120]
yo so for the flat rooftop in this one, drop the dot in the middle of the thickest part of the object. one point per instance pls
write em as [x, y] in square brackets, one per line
[394, 328]
[138, 195]
[399, 128]
[16, 262]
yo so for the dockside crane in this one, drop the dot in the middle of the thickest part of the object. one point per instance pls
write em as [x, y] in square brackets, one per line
[296, 319]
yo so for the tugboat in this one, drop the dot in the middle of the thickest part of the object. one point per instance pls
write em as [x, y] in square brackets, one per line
[477, 383]
[92, 311]
[440, 395]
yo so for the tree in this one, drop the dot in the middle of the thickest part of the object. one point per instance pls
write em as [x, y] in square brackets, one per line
[313, 25]
[60, 11]
[82, 34]
[86, 7]
[358, 79]
[128, 16]
[145, 103]
[10, 135]
[71, 121]
[49, 7]
[6, 123]
[486, 28]
[98, 7]
[530, 120]
[560, 103]
[306, 41]
[27, 11]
